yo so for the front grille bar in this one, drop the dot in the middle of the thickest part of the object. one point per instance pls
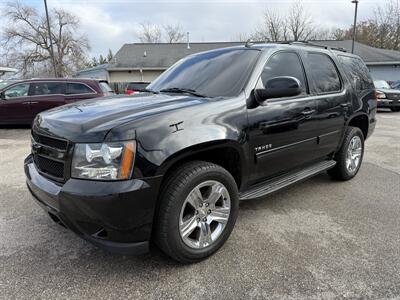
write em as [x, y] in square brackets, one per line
[49, 156]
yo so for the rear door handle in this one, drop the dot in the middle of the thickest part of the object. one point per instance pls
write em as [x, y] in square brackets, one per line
[345, 105]
[308, 112]
[33, 102]
[27, 102]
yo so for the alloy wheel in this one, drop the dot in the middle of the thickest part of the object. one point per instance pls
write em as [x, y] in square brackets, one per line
[353, 156]
[204, 214]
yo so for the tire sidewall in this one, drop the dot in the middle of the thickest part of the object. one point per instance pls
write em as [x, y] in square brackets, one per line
[352, 133]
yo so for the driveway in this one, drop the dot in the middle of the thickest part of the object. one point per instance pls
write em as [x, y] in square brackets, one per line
[319, 238]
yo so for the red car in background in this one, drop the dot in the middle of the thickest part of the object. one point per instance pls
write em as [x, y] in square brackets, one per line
[21, 101]
[136, 87]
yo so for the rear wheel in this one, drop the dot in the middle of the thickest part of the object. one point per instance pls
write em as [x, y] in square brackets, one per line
[350, 155]
[197, 212]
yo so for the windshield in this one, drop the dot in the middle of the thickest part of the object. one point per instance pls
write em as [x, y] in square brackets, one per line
[3, 84]
[216, 73]
[381, 84]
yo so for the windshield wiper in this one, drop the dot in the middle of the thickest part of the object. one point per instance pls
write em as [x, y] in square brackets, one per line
[150, 91]
[182, 90]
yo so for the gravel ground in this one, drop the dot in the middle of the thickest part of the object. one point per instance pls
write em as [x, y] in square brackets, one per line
[317, 239]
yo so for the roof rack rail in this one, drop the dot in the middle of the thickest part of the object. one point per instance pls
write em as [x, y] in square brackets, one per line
[250, 43]
[339, 49]
[307, 43]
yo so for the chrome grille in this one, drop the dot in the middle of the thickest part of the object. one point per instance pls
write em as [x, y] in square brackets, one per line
[51, 142]
[393, 96]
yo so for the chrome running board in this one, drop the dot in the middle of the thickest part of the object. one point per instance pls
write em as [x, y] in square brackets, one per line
[280, 182]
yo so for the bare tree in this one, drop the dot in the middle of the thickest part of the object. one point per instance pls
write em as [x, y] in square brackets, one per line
[173, 34]
[241, 37]
[150, 33]
[100, 60]
[26, 39]
[386, 24]
[296, 25]
[381, 31]
[153, 33]
[274, 28]
[299, 23]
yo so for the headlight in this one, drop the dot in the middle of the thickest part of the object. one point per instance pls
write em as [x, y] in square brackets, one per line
[107, 161]
[380, 95]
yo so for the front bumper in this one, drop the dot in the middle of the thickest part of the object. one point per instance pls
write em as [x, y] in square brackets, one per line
[115, 216]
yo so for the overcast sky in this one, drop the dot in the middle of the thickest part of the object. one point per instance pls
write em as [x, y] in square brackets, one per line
[111, 23]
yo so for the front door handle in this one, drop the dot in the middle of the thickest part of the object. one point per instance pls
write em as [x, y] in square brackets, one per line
[345, 105]
[308, 112]
[33, 102]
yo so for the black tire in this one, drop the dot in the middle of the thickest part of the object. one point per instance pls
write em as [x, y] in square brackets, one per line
[395, 109]
[177, 187]
[340, 171]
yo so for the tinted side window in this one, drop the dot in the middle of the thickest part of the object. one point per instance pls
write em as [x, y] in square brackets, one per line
[47, 88]
[324, 73]
[357, 72]
[19, 90]
[284, 64]
[78, 88]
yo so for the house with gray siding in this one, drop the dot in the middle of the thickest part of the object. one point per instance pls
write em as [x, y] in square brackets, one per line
[383, 64]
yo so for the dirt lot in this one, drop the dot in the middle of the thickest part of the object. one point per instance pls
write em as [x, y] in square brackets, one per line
[317, 239]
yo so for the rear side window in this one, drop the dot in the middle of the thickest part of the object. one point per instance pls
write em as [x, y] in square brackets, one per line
[284, 64]
[105, 87]
[324, 73]
[47, 88]
[357, 72]
[78, 88]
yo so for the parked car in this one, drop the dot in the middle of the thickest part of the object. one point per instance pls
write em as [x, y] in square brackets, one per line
[22, 100]
[218, 127]
[136, 87]
[4, 83]
[387, 96]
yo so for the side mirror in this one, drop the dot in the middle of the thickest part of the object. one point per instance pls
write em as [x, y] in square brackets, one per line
[2, 96]
[278, 87]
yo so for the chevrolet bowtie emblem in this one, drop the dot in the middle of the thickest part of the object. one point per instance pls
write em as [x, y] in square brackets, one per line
[36, 147]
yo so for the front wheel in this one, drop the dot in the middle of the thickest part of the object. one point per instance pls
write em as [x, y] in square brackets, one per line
[395, 109]
[198, 210]
[350, 155]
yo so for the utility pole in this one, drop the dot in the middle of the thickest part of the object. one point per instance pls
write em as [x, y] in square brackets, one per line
[188, 40]
[50, 40]
[355, 25]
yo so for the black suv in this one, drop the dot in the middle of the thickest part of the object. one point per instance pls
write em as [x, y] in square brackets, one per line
[217, 127]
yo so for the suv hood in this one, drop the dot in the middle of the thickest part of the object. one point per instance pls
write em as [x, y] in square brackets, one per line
[91, 120]
[389, 91]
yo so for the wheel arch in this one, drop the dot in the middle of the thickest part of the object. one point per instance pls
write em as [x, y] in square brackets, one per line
[225, 153]
[361, 121]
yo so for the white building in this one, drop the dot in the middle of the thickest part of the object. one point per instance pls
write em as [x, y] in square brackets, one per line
[4, 70]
